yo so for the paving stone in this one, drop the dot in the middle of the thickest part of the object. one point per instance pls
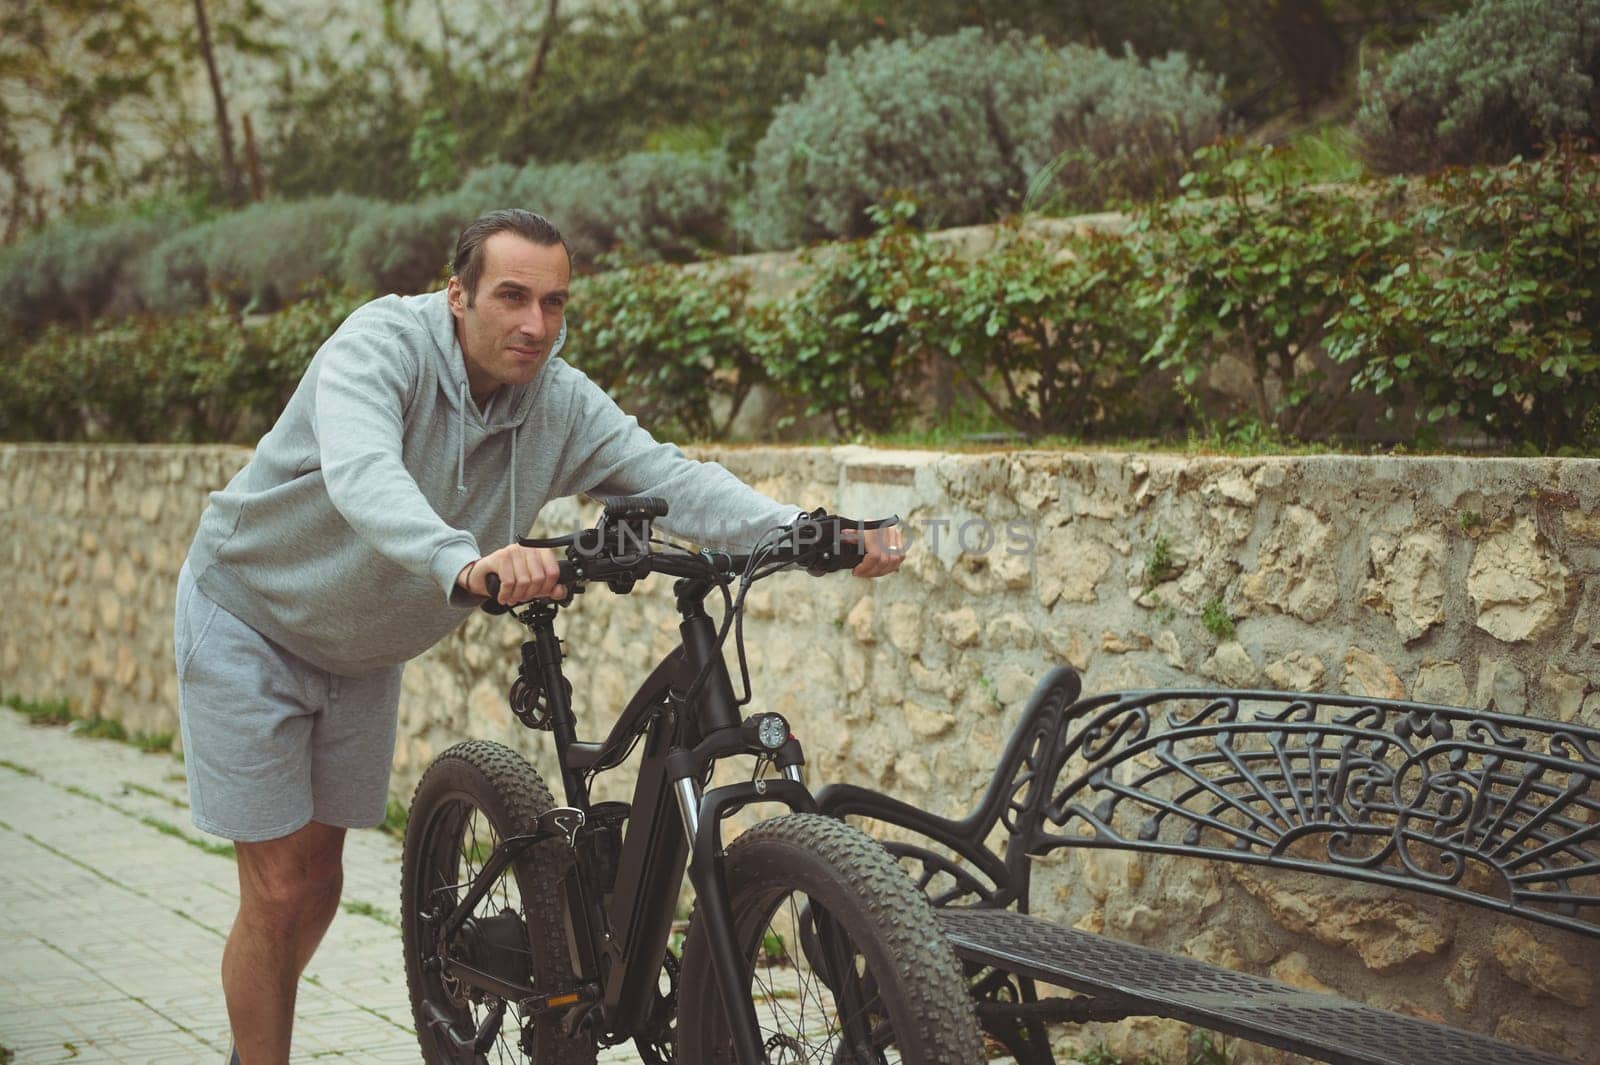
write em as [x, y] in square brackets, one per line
[111, 927]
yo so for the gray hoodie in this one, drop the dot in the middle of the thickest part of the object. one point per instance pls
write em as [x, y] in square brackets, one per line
[342, 538]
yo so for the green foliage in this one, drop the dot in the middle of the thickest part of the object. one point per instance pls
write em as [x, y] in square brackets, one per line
[205, 375]
[1501, 79]
[404, 247]
[680, 349]
[1157, 562]
[963, 123]
[347, 101]
[259, 258]
[1252, 265]
[102, 728]
[846, 347]
[76, 270]
[1049, 338]
[395, 814]
[644, 207]
[40, 712]
[153, 742]
[1493, 318]
[1214, 616]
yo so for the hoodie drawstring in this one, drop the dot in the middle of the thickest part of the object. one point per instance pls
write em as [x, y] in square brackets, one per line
[511, 475]
[461, 440]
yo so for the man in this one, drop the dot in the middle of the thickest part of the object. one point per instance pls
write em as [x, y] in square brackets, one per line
[426, 434]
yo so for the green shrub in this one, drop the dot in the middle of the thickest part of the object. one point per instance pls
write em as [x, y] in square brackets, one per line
[844, 345]
[680, 349]
[963, 123]
[1494, 318]
[75, 271]
[1050, 339]
[261, 257]
[641, 208]
[1249, 263]
[202, 376]
[405, 247]
[1498, 80]
[1114, 127]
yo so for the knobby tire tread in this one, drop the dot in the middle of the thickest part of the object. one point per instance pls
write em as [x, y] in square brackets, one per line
[871, 894]
[513, 794]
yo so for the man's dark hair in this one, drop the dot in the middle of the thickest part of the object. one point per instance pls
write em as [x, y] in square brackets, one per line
[467, 264]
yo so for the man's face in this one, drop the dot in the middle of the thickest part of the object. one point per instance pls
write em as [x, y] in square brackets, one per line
[507, 329]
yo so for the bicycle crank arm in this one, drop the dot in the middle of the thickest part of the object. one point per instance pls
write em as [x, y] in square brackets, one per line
[457, 1049]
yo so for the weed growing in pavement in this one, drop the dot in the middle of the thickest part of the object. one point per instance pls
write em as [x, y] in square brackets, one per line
[394, 819]
[59, 712]
[367, 909]
[101, 728]
[45, 712]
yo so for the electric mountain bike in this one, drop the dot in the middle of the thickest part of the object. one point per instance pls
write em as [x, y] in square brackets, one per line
[541, 932]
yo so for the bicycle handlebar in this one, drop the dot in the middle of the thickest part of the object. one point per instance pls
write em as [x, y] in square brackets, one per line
[816, 541]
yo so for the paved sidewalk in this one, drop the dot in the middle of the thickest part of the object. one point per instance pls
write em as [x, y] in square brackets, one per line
[113, 913]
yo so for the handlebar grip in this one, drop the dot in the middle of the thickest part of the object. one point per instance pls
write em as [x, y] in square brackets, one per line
[492, 605]
[569, 576]
[635, 507]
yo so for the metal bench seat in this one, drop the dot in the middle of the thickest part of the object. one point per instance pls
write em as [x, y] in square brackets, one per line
[1495, 811]
[1129, 980]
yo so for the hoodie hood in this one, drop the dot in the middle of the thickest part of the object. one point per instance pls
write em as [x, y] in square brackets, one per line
[508, 406]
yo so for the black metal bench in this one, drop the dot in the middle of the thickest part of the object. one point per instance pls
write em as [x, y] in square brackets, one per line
[1502, 812]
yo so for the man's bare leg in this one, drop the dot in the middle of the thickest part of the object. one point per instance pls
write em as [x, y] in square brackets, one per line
[288, 894]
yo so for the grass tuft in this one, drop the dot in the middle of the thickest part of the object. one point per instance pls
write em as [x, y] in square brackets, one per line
[42, 712]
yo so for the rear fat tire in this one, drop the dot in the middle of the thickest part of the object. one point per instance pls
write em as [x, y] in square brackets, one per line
[470, 787]
[904, 964]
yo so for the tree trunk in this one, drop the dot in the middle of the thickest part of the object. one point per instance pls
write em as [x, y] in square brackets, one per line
[547, 36]
[252, 159]
[230, 166]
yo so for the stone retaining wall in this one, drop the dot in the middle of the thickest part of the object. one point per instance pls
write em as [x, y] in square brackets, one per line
[1460, 581]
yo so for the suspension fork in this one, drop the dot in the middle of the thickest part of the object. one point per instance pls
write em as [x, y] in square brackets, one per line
[702, 817]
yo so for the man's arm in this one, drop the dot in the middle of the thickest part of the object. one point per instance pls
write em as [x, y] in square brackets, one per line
[362, 386]
[609, 454]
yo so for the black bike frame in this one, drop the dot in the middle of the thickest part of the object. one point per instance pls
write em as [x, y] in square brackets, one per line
[621, 943]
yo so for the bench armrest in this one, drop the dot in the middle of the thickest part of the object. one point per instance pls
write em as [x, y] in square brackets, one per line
[960, 837]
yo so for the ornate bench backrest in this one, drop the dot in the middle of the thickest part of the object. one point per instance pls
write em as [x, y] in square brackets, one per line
[1500, 811]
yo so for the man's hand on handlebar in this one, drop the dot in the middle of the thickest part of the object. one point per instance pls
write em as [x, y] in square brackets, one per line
[525, 573]
[885, 549]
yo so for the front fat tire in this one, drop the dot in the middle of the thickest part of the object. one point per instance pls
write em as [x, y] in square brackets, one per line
[779, 868]
[474, 784]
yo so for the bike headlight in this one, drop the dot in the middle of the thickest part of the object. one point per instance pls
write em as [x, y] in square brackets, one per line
[772, 731]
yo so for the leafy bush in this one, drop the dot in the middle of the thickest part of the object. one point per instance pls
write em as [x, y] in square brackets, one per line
[1114, 127]
[1494, 317]
[844, 345]
[681, 349]
[1050, 339]
[962, 123]
[1250, 264]
[405, 247]
[1500, 79]
[205, 375]
[261, 257]
[644, 207]
[76, 270]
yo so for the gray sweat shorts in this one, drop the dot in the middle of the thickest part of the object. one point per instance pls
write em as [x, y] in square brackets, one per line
[271, 742]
